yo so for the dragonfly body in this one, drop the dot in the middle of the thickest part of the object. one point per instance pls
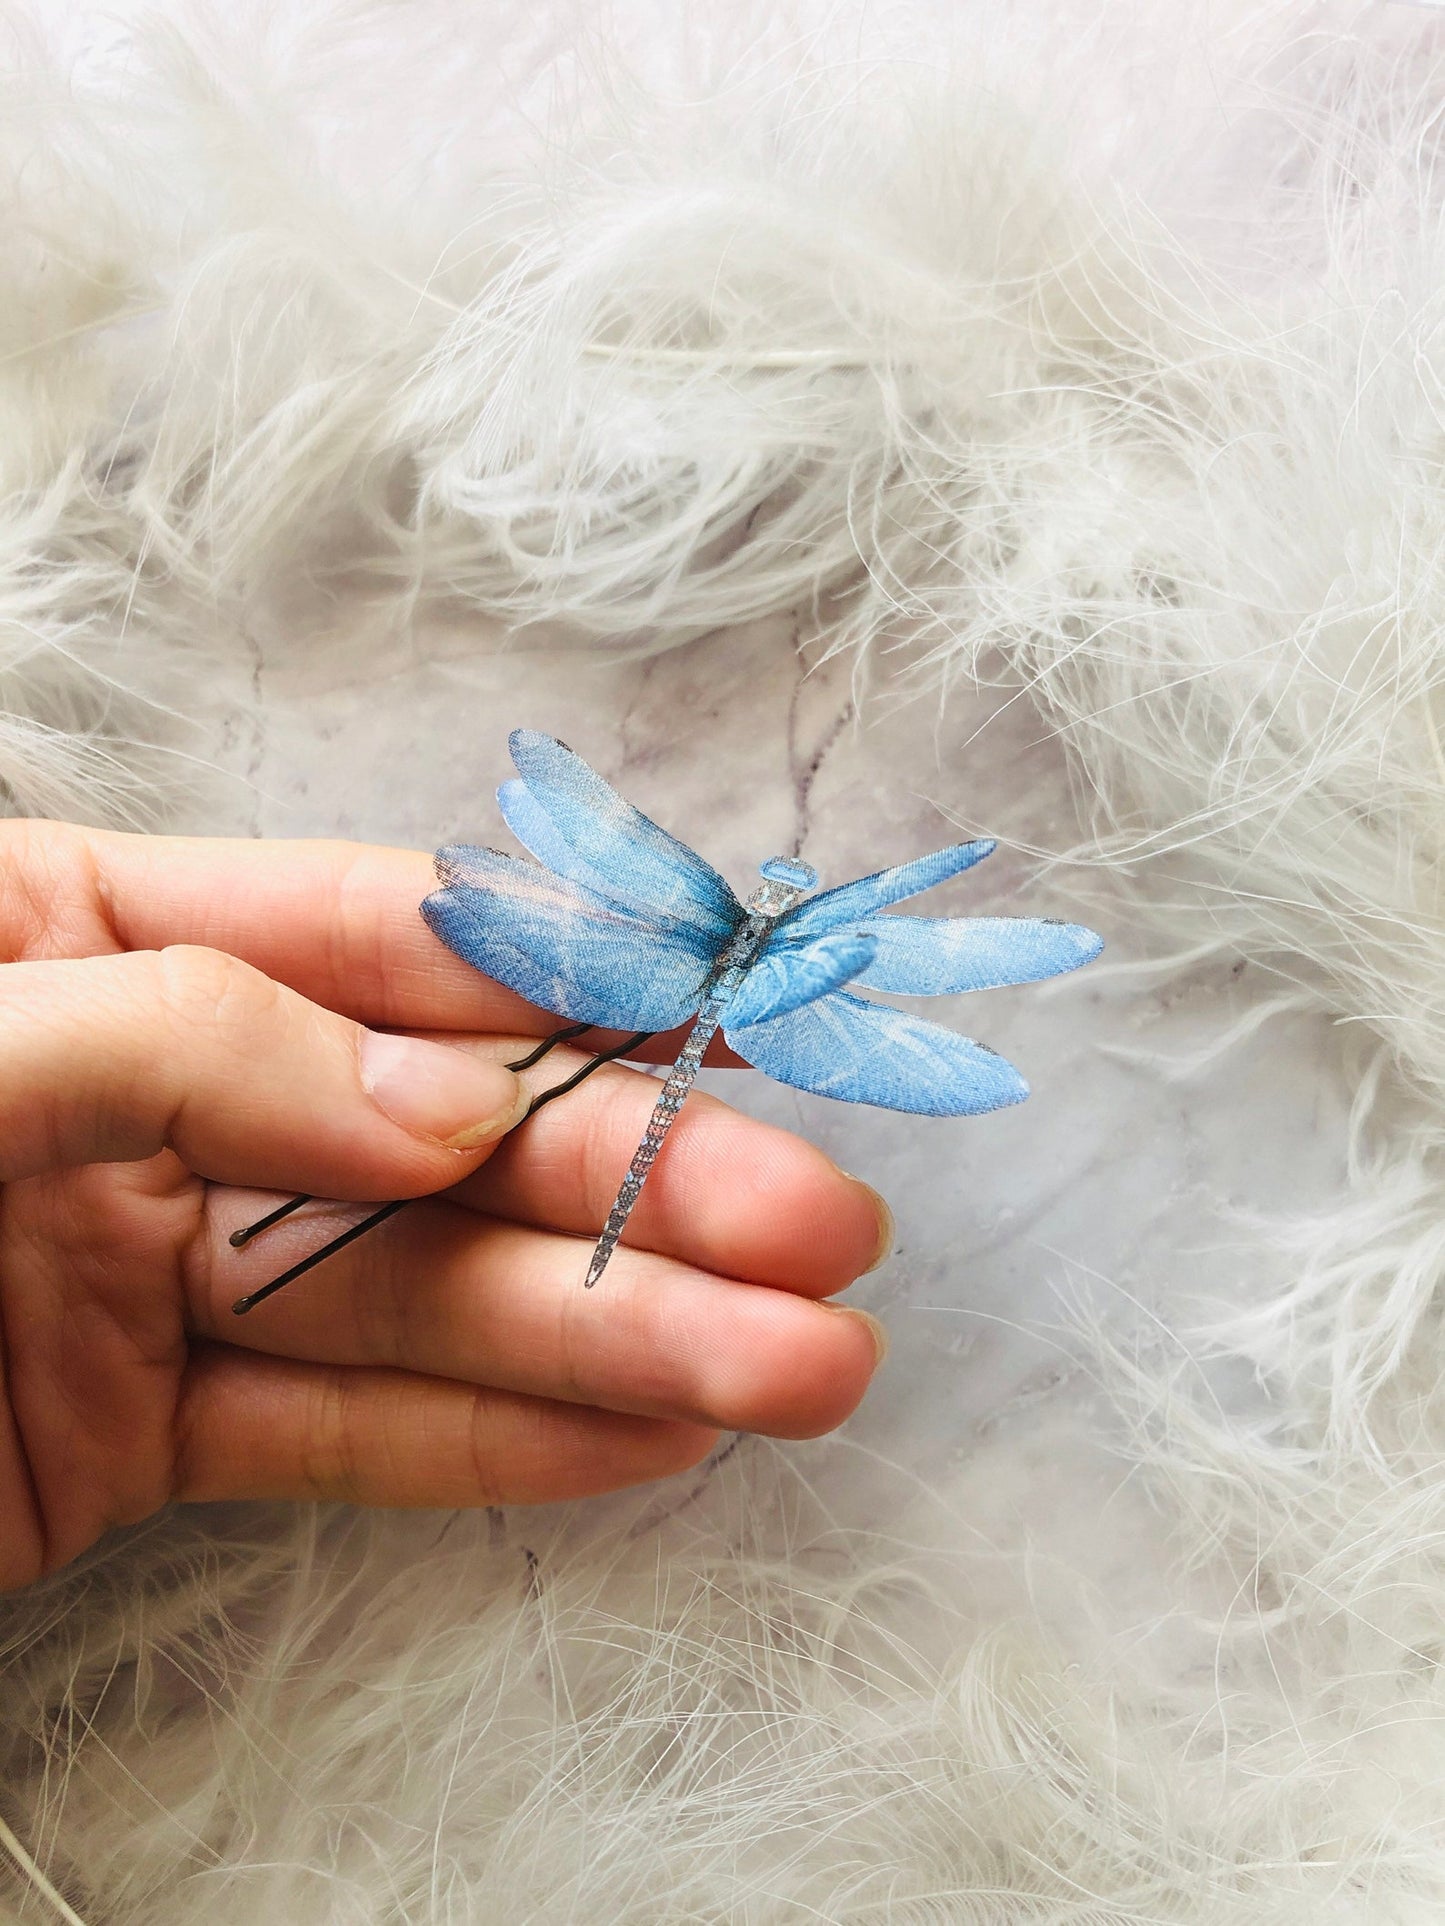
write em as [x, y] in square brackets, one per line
[764, 906]
[618, 924]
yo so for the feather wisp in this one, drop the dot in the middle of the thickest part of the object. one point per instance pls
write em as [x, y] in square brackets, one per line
[863, 351]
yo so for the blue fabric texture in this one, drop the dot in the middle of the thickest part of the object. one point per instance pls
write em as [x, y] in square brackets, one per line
[535, 830]
[787, 976]
[563, 947]
[620, 925]
[623, 848]
[939, 956]
[842, 1046]
[851, 902]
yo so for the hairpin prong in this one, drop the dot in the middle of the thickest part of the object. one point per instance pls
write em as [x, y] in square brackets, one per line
[249, 1303]
[550, 1043]
[623, 1049]
[248, 1231]
[241, 1237]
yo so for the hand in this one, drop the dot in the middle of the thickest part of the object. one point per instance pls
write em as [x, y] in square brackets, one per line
[181, 1037]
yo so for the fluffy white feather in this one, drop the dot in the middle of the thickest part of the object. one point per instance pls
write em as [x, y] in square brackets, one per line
[825, 337]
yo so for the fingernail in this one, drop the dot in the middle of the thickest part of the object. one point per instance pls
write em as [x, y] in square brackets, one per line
[884, 1245]
[875, 1330]
[449, 1095]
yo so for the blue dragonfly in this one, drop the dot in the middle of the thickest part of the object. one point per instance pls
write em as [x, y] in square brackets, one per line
[619, 926]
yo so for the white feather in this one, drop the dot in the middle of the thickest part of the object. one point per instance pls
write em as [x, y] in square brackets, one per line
[819, 334]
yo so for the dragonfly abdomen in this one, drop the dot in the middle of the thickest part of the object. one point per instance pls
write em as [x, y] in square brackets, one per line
[736, 959]
[672, 1097]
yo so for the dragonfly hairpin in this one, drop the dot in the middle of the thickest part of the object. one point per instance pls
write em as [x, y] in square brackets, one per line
[619, 926]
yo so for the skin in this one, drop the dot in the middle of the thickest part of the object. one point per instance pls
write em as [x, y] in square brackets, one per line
[183, 1039]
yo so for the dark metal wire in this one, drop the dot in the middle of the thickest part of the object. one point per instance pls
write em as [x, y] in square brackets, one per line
[549, 1043]
[338, 1243]
[580, 1076]
[248, 1231]
[282, 1211]
[249, 1303]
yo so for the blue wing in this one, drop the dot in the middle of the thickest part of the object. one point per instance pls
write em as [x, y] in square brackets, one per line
[852, 902]
[535, 830]
[796, 973]
[564, 947]
[579, 825]
[841, 1046]
[936, 956]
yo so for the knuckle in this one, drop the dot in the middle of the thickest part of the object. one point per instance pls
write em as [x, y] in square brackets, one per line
[531, 1421]
[573, 1348]
[382, 1302]
[327, 1447]
[205, 988]
[50, 900]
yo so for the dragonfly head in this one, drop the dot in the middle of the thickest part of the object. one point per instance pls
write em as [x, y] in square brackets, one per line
[785, 879]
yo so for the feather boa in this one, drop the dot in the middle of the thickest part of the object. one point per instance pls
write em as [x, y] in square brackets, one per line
[777, 330]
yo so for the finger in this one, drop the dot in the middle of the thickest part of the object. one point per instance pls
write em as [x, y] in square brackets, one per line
[115, 1058]
[255, 1427]
[728, 1194]
[339, 922]
[440, 1290]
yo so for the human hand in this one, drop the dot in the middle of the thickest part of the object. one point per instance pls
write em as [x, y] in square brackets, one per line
[181, 1030]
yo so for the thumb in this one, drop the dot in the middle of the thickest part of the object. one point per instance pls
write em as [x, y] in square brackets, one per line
[111, 1059]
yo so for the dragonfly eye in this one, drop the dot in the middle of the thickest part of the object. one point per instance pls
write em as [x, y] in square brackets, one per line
[787, 869]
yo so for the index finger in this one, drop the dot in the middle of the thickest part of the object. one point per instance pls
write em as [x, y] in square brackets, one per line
[338, 921]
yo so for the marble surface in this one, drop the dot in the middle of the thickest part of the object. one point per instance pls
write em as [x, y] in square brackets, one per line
[1122, 1192]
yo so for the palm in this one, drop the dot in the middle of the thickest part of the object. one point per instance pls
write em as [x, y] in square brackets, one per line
[96, 1285]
